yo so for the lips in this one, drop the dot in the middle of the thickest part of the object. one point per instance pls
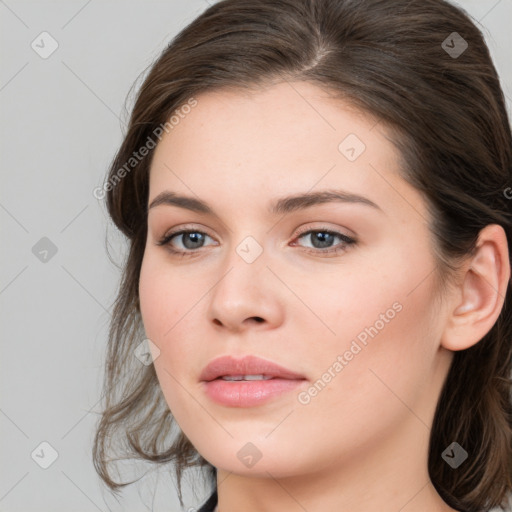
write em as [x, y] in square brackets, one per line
[248, 366]
[248, 382]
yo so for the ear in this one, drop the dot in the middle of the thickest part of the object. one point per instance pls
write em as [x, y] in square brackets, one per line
[478, 301]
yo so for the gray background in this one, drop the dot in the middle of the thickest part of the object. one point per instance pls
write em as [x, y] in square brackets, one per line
[61, 122]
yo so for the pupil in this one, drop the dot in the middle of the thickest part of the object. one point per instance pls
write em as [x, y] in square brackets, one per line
[196, 240]
[325, 239]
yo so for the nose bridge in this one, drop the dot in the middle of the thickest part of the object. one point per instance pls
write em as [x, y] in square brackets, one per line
[245, 269]
[244, 289]
[249, 250]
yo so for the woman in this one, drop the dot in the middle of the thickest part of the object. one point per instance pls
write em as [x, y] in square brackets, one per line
[315, 198]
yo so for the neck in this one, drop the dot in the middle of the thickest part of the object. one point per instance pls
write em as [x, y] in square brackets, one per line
[387, 477]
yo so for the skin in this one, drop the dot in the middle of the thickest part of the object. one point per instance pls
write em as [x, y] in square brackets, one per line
[361, 443]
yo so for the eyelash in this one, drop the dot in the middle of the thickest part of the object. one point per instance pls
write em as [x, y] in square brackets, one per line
[346, 241]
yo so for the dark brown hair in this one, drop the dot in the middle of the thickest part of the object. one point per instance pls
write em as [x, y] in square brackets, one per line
[447, 116]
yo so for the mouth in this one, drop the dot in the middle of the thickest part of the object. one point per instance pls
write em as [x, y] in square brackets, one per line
[248, 368]
[247, 382]
[245, 377]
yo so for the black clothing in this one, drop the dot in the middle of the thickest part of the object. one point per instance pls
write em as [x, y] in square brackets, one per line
[210, 505]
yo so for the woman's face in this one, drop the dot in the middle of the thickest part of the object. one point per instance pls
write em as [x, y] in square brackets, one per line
[357, 322]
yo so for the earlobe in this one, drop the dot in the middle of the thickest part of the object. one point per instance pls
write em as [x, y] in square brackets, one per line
[482, 291]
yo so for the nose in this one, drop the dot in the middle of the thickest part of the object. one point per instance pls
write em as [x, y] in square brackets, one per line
[247, 295]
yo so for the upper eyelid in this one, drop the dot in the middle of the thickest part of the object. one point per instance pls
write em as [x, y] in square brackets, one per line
[192, 228]
[186, 228]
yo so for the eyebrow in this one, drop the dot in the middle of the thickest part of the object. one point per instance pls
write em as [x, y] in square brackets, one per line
[279, 206]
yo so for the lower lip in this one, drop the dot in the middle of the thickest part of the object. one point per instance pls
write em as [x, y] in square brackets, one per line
[248, 393]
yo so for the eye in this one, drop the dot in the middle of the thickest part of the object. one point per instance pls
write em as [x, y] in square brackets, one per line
[323, 238]
[190, 240]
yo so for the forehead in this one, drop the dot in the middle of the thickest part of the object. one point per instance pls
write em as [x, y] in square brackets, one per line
[289, 137]
[285, 119]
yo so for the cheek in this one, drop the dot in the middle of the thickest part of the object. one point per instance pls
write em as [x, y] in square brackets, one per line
[172, 313]
[379, 383]
[164, 305]
[352, 300]
[381, 325]
[164, 301]
[153, 300]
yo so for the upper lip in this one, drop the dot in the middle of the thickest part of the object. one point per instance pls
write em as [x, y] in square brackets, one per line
[248, 365]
